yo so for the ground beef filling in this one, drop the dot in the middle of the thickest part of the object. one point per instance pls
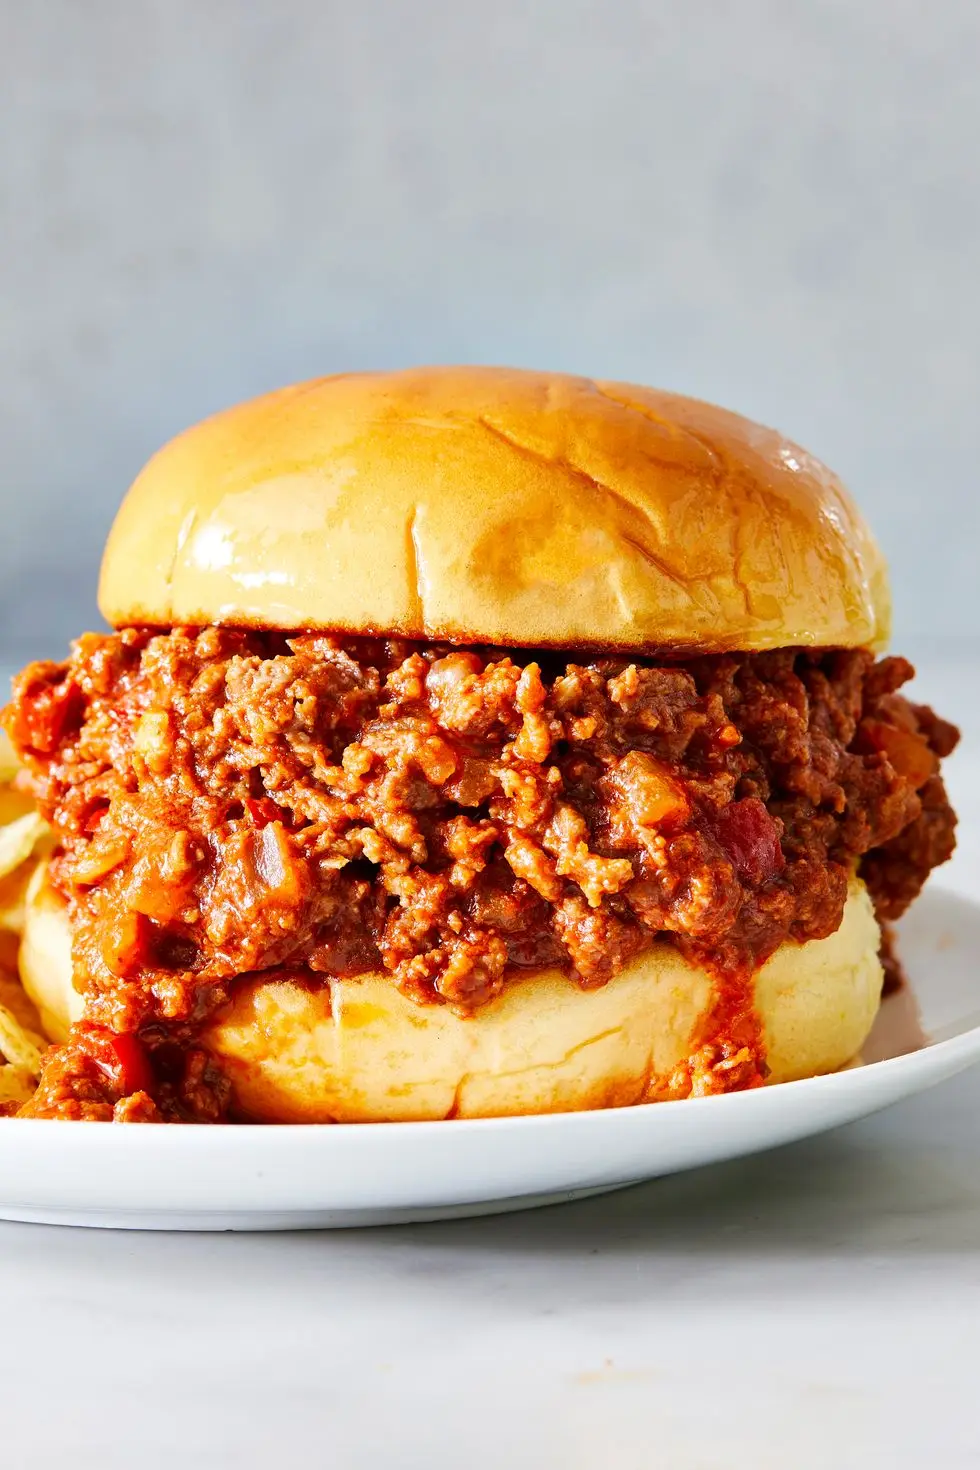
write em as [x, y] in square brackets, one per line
[230, 802]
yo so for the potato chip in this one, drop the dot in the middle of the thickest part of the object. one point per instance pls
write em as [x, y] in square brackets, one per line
[9, 764]
[23, 835]
[16, 1088]
[13, 804]
[21, 1047]
[13, 897]
[15, 998]
[18, 841]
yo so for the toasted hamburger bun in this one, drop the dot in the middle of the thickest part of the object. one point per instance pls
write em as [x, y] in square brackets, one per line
[359, 1051]
[488, 505]
[493, 506]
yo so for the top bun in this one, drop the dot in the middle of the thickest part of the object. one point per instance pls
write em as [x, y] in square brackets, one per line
[490, 505]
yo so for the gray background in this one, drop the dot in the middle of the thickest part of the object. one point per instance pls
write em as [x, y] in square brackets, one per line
[772, 203]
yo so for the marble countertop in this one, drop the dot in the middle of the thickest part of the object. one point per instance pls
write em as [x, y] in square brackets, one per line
[815, 1306]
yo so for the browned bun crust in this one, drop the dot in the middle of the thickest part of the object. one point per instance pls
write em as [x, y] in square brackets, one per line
[358, 1051]
[489, 505]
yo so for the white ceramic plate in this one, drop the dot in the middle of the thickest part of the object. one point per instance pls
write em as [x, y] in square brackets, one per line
[255, 1178]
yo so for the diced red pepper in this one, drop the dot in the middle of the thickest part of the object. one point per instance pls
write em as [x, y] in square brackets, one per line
[749, 836]
[264, 810]
[122, 1058]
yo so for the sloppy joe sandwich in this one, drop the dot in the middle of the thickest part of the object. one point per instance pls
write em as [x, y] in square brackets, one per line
[470, 742]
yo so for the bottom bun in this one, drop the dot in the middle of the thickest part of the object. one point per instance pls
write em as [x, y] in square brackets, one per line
[358, 1051]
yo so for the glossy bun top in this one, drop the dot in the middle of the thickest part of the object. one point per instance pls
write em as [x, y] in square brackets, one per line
[490, 505]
